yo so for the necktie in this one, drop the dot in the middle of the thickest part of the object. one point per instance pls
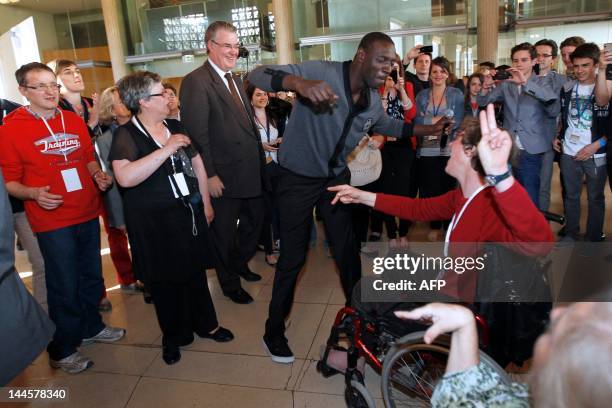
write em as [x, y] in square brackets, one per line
[235, 96]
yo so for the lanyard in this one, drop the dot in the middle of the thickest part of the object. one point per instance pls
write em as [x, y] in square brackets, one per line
[435, 109]
[53, 133]
[457, 217]
[141, 127]
[580, 108]
[267, 128]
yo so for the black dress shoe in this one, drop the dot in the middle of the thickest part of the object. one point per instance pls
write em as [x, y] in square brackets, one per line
[171, 355]
[220, 335]
[239, 296]
[250, 276]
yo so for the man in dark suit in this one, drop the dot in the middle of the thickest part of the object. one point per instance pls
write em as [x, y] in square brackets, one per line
[219, 118]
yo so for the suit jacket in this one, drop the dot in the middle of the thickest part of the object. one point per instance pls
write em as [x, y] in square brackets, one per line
[227, 140]
[530, 114]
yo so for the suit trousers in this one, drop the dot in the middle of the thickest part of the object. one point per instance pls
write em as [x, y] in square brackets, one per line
[297, 195]
[235, 232]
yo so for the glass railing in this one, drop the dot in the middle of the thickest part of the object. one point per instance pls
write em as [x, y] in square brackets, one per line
[333, 17]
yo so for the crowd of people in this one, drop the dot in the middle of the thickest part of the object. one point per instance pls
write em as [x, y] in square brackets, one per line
[202, 176]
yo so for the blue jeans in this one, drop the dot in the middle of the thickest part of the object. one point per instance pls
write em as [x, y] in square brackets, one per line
[528, 174]
[73, 270]
[573, 173]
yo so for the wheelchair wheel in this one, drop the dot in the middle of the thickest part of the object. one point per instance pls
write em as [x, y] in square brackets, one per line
[412, 369]
[357, 396]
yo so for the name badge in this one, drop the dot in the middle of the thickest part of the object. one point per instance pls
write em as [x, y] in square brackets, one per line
[574, 139]
[71, 180]
[179, 178]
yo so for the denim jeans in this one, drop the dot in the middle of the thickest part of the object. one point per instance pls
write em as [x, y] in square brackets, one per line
[73, 271]
[573, 173]
[528, 174]
[546, 178]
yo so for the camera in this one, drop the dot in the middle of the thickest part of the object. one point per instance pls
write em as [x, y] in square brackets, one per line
[608, 48]
[393, 75]
[426, 49]
[501, 75]
[243, 52]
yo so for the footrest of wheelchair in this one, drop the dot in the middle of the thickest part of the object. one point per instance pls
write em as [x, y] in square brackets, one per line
[325, 370]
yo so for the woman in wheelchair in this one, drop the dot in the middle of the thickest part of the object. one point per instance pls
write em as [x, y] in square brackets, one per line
[571, 364]
[488, 206]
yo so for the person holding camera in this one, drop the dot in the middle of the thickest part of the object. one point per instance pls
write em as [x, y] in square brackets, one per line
[421, 56]
[270, 141]
[167, 208]
[439, 101]
[529, 102]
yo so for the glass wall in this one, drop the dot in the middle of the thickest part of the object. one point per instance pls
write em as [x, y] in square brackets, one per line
[75, 31]
[548, 8]
[162, 28]
[157, 33]
[330, 29]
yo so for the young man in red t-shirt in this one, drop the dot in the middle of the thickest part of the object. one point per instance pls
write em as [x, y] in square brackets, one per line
[48, 161]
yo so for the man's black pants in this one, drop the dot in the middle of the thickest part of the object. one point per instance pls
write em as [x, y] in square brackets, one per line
[297, 195]
[235, 243]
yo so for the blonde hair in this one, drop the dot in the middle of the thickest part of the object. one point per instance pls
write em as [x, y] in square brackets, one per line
[577, 373]
[106, 116]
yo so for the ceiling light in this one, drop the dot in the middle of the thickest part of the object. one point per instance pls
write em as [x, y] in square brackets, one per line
[8, 1]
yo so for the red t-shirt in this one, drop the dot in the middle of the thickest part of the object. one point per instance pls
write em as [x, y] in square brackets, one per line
[30, 155]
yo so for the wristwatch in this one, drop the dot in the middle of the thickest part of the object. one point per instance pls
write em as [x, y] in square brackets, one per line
[492, 180]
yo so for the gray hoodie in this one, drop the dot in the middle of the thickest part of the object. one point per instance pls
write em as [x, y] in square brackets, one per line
[310, 138]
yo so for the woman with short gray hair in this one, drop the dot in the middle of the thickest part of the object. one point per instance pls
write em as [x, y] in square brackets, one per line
[167, 208]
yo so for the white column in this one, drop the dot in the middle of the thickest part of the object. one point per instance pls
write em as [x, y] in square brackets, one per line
[113, 24]
[283, 23]
[487, 21]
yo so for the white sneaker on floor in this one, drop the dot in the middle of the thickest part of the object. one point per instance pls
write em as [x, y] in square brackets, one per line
[73, 364]
[107, 335]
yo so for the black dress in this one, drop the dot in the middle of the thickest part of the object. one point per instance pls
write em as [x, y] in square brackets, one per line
[172, 259]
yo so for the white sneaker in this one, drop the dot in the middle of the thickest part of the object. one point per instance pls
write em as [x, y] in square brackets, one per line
[107, 335]
[73, 364]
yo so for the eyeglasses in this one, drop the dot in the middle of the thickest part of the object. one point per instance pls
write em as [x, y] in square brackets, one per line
[43, 87]
[544, 55]
[228, 46]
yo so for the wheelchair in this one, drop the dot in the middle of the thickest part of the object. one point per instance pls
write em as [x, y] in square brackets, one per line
[409, 368]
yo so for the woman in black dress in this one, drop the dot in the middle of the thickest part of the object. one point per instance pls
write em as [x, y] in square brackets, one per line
[167, 208]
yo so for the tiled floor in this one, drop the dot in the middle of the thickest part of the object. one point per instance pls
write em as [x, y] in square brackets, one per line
[132, 374]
